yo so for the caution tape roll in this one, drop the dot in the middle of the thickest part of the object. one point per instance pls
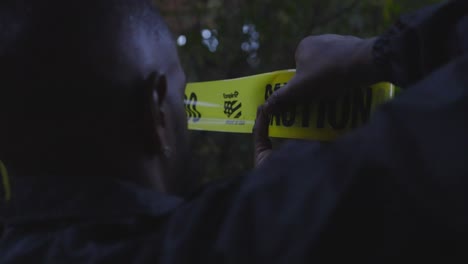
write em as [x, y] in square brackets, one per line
[231, 106]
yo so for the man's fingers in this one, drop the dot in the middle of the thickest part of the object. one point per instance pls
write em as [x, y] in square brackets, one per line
[262, 123]
[263, 144]
[283, 97]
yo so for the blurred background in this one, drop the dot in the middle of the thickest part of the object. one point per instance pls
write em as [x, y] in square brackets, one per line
[233, 38]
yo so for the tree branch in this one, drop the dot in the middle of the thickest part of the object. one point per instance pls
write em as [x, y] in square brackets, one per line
[335, 15]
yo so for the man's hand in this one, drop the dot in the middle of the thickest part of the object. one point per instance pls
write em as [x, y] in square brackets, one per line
[326, 66]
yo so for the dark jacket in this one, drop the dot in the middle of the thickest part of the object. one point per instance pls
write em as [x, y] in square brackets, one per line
[394, 190]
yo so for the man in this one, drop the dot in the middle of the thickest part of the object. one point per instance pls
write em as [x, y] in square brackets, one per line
[93, 137]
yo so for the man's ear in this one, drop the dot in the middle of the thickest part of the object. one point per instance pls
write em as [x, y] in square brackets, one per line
[155, 91]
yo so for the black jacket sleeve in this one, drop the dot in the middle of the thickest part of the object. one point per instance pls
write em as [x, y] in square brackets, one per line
[391, 191]
[423, 41]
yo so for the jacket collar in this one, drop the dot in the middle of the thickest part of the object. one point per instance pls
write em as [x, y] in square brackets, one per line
[53, 198]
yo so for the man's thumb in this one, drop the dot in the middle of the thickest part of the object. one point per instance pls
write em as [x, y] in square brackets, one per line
[282, 98]
[262, 145]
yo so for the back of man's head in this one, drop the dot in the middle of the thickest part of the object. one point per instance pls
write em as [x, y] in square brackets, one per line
[73, 78]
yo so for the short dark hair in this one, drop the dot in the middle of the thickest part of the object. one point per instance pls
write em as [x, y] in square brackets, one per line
[49, 51]
[45, 28]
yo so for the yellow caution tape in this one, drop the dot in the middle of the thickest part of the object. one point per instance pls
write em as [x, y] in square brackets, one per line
[231, 106]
